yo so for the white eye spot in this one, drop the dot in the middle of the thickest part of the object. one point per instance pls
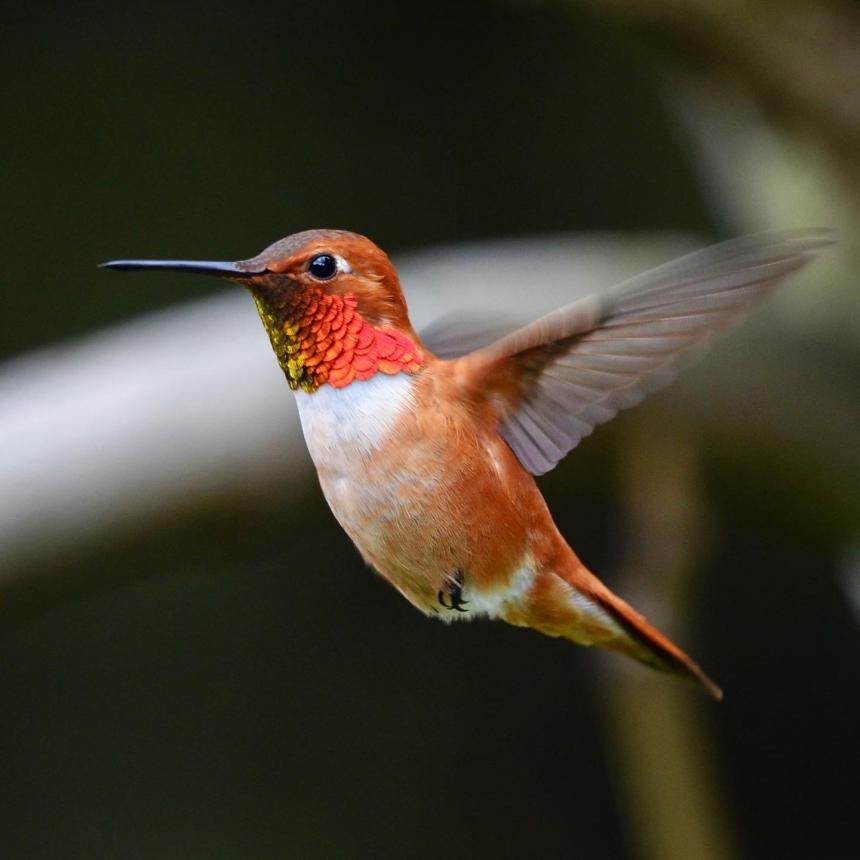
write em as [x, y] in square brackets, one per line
[342, 265]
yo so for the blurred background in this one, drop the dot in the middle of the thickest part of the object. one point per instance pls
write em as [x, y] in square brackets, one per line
[193, 660]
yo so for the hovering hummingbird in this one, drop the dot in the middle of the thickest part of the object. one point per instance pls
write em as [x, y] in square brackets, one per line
[427, 458]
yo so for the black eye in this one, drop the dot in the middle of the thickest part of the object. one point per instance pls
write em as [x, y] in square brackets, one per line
[323, 266]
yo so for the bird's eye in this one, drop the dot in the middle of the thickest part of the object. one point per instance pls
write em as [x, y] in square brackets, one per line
[323, 267]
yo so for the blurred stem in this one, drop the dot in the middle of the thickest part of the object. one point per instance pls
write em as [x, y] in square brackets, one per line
[657, 736]
[797, 59]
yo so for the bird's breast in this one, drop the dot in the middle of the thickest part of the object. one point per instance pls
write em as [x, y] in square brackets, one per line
[423, 492]
[343, 426]
[380, 475]
[374, 467]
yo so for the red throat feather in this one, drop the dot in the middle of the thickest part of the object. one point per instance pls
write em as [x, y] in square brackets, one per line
[319, 338]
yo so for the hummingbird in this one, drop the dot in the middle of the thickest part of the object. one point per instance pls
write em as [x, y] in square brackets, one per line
[427, 448]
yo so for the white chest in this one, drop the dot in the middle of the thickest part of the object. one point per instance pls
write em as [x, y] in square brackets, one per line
[394, 484]
[343, 425]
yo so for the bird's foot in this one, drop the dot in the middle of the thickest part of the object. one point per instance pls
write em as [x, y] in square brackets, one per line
[451, 596]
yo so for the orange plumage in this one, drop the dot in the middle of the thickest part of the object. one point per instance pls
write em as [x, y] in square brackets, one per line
[321, 338]
[427, 461]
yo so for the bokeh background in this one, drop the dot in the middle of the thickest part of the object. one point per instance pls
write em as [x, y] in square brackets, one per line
[193, 660]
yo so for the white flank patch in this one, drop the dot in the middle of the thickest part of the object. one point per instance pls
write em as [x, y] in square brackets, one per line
[491, 603]
[492, 449]
[339, 423]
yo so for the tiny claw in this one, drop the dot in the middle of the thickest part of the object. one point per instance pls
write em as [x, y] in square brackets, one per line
[454, 592]
[441, 596]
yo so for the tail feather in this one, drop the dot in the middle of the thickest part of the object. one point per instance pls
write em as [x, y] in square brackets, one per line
[569, 601]
[646, 643]
[565, 599]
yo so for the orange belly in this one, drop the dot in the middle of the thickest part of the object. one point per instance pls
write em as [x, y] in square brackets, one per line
[436, 494]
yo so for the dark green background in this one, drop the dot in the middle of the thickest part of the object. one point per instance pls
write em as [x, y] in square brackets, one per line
[234, 683]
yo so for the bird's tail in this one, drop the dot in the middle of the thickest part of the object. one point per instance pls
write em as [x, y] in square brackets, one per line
[646, 643]
[574, 604]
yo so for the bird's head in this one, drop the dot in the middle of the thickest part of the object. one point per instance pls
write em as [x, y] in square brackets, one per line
[330, 301]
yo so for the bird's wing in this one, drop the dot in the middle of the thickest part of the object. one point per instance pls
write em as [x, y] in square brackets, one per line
[557, 378]
[460, 332]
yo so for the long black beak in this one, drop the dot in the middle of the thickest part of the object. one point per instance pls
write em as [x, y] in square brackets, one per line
[201, 267]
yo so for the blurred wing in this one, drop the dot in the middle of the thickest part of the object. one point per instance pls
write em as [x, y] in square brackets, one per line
[559, 377]
[456, 334]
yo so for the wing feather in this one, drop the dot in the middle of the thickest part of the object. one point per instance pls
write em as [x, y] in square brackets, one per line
[562, 375]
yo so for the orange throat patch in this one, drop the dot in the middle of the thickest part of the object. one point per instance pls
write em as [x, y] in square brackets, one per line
[320, 338]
